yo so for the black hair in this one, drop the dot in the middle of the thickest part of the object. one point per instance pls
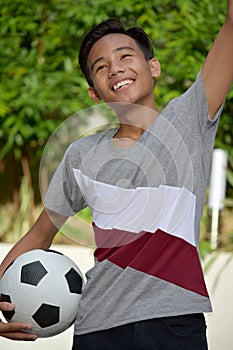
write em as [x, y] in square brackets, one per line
[110, 26]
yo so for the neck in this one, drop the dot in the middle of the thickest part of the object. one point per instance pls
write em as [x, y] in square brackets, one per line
[129, 132]
[134, 120]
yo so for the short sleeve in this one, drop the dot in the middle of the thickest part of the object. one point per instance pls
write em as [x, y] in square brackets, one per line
[63, 195]
[192, 107]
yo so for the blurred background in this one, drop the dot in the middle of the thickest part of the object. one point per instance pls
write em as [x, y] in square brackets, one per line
[41, 85]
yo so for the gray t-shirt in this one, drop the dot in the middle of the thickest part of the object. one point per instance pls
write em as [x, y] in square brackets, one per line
[147, 202]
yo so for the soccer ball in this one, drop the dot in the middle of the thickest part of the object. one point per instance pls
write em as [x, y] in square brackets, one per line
[46, 287]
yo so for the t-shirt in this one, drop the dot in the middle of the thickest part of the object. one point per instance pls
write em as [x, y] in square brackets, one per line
[147, 202]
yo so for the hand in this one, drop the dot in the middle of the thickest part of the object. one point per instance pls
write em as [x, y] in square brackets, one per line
[14, 330]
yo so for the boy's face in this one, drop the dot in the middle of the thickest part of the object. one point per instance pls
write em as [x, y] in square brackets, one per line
[120, 72]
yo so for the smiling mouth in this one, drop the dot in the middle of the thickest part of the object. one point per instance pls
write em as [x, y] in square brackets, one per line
[122, 83]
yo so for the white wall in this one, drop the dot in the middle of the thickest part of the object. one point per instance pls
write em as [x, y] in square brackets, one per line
[219, 280]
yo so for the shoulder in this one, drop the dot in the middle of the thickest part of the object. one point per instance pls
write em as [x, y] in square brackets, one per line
[86, 143]
[191, 102]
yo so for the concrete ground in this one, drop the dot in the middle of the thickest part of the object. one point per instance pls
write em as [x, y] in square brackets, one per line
[219, 278]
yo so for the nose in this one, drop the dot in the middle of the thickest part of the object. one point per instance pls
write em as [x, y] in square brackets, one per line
[116, 68]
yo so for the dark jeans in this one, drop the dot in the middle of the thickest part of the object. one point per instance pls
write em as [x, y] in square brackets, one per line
[186, 332]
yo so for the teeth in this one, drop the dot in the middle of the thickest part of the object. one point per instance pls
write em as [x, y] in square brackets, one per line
[122, 83]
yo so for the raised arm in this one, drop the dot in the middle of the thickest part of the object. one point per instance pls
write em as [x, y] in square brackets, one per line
[217, 71]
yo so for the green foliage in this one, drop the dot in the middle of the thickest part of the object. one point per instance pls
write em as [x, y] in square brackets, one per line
[40, 81]
[15, 223]
[204, 248]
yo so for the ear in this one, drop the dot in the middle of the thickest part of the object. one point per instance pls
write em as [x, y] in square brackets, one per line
[155, 67]
[93, 94]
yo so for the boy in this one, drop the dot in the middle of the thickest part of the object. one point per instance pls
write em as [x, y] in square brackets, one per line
[145, 183]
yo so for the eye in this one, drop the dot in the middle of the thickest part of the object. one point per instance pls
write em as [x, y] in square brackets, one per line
[126, 55]
[101, 67]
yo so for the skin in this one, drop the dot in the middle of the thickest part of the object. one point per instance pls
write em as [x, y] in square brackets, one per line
[109, 64]
[115, 59]
[14, 330]
[40, 236]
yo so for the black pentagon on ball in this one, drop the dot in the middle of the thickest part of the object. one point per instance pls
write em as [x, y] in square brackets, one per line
[47, 315]
[33, 273]
[7, 314]
[74, 281]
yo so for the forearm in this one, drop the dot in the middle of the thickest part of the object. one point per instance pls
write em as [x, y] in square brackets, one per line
[40, 236]
[230, 11]
[28, 242]
[217, 71]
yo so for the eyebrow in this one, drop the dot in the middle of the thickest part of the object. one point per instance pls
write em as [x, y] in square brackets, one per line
[117, 49]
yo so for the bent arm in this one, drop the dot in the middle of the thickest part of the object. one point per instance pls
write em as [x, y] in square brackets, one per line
[40, 236]
[217, 71]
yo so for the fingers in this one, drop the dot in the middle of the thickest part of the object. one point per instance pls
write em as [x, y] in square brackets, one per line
[4, 306]
[16, 331]
[19, 336]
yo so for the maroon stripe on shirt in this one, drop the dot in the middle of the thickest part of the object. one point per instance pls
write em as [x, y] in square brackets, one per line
[158, 254]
